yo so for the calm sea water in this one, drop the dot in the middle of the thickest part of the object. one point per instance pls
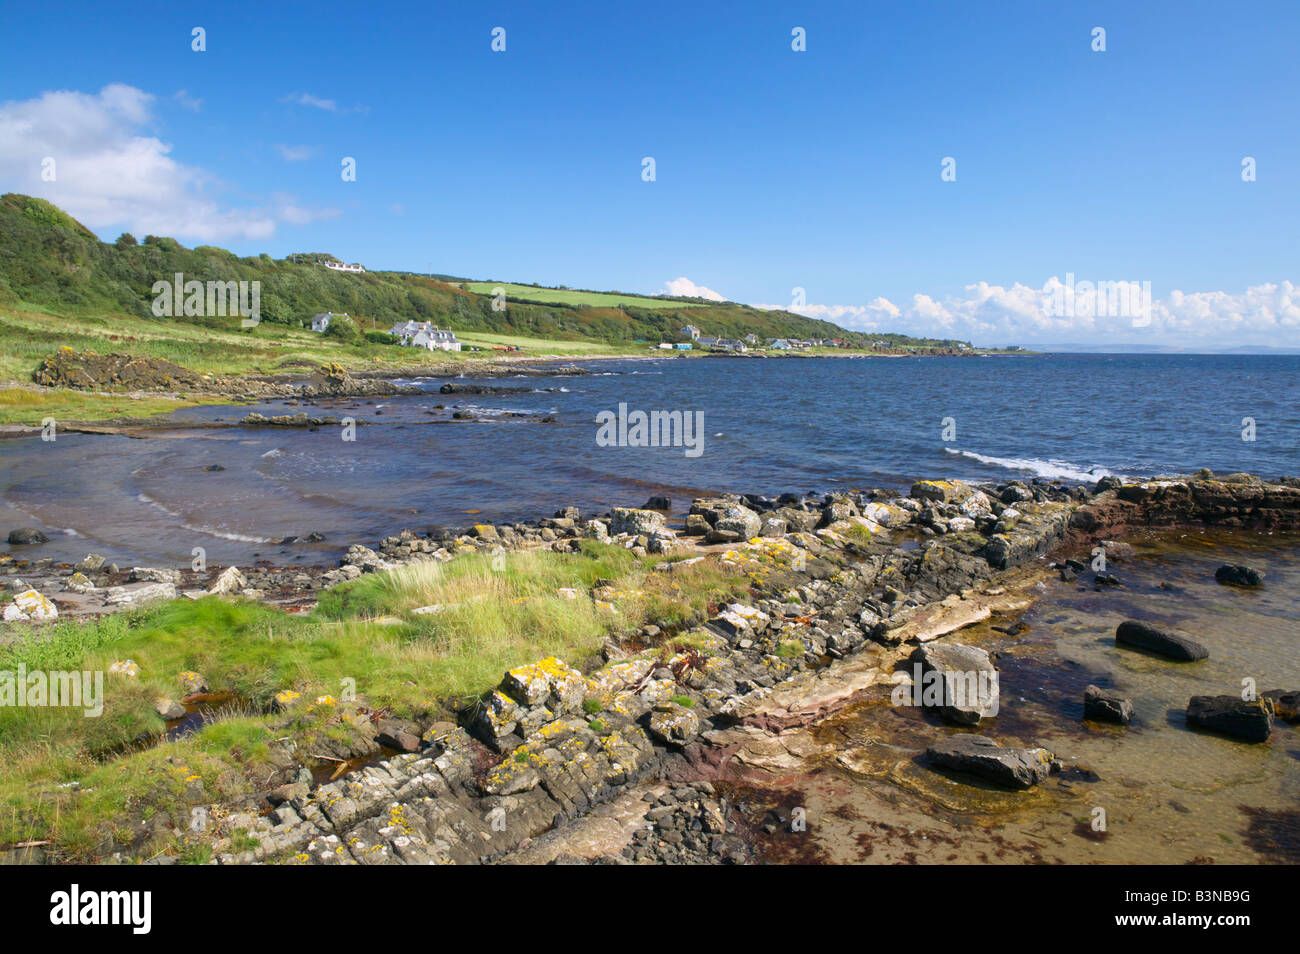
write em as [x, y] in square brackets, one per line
[769, 426]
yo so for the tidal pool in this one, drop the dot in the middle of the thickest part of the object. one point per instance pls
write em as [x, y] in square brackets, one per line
[1155, 792]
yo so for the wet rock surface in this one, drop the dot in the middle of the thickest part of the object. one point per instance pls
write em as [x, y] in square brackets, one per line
[1161, 642]
[1231, 715]
[986, 759]
[1103, 706]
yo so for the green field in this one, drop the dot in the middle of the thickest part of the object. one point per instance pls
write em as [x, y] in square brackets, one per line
[564, 296]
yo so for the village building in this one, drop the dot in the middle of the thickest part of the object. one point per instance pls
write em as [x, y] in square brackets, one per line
[422, 334]
[691, 332]
[321, 322]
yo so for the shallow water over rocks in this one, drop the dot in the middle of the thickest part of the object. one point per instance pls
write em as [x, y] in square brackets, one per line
[1170, 794]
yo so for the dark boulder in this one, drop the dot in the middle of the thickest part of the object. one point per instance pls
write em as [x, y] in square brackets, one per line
[25, 536]
[657, 503]
[983, 757]
[1232, 715]
[1102, 706]
[1162, 642]
[1238, 575]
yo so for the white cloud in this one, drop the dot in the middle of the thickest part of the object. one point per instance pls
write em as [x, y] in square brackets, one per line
[108, 171]
[685, 288]
[188, 101]
[307, 99]
[295, 153]
[319, 102]
[287, 210]
[1064, 313]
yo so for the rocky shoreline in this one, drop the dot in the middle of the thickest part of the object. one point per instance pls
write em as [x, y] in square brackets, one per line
[618, 763]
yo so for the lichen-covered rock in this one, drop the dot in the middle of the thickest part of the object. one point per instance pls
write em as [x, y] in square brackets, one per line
[169, 709]
[230, 580]
[739, 520]
[31, 605]
[545, 682]
[886, 514]
[497, 717]
[635, 522]
[673, 724]
[150, 574]
[192, 682]
[121, 596]
[79, 583]
[943, 491]
[605, 684]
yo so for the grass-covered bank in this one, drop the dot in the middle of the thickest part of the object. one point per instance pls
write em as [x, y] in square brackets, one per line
[92, 786]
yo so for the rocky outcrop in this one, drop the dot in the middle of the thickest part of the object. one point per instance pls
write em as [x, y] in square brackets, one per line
[1233, 500]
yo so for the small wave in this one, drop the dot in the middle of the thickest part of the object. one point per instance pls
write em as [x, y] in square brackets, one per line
[226, 535]
[146, 499]
[1051, 469]
[274, 452]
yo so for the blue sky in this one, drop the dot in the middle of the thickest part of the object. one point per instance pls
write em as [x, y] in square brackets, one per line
[775, 169]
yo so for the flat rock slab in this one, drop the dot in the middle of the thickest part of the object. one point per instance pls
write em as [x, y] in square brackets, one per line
[984, 758]
[940, 619]
[605, 831]
[802, 701]
[1162, 642]
[1232, 715]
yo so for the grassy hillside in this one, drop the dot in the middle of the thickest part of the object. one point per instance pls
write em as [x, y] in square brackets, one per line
[569, 296]
[50, 261]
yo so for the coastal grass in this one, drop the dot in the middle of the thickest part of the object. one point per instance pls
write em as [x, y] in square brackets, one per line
[31, 405]
[87, 784]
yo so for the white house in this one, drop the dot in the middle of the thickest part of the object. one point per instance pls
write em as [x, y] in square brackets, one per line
[340, 267]
[422, 334]
[321, 322]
